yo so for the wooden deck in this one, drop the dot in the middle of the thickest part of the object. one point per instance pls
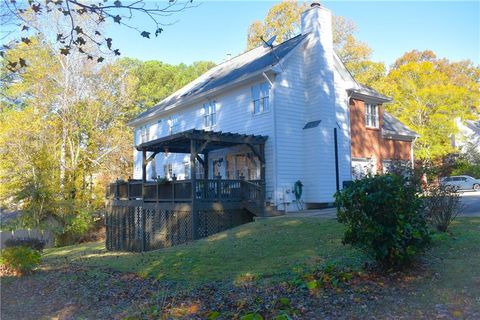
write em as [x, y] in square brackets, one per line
[198, 194]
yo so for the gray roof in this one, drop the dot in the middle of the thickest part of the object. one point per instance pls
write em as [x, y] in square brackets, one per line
[364, 90]
[242, 66]
[473, 125]
[391, 126]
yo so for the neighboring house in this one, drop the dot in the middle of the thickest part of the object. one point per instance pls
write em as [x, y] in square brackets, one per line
[318, 121]
[468, 136]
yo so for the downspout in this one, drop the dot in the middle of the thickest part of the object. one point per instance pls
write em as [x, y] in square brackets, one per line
[267, 78]
[337, 173]
[349, 132]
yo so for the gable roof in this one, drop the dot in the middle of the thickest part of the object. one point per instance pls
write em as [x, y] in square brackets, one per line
[473, 125]
[363, 91]
[393, 128]
[243, 66]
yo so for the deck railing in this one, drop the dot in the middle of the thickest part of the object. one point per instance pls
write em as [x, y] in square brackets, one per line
[217, 190]
[152, 215]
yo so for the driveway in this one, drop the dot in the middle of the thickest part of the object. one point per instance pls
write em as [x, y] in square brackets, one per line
[469, 199]
[471, 202]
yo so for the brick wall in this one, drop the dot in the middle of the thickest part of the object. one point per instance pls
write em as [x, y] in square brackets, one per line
[369, 143]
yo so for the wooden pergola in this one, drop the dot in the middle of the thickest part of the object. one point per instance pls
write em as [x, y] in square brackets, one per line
[200, 142]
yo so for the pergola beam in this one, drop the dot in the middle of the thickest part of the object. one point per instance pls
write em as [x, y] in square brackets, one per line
[257, 152]
[210, 140]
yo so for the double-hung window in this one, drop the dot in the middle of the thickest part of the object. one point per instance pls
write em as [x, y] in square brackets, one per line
[173, 124]
[371, 115]
[144, 133]
[168, 171]
[210, 114]
[260, 97]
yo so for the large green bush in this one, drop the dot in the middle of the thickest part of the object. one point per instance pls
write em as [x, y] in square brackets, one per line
[384, 218]
[21, 259]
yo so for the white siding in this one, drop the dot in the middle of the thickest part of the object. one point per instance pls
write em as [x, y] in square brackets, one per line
[234, 114]
[289, 95]
[307, 88]
[320, 149]
[343, 127]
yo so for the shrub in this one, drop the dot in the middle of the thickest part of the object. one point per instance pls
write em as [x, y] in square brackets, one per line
[33, 243]
[442, 205]
[21, 259]
[384, 218]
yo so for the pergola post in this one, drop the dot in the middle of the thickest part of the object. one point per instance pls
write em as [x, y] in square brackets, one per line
[205, 174]
[262, 179]
[144, 171]
[193, 177]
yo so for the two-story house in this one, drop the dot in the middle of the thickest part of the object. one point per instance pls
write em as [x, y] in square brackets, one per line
[320, 125]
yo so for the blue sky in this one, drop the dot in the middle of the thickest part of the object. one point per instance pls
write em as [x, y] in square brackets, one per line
[215, 28]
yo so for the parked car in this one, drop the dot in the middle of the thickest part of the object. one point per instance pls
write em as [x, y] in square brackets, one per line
[462, 182]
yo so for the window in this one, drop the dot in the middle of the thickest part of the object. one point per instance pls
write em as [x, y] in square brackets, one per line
[362, 167]
[371, 115]
[199, 173]
[260, 93]
[186, 170]
[244, 165]
[144, 134]
[168, 171]
[198, 170]
[397, 166]
[173, 124]
[209, 114]
[159, 128]
[153, 166]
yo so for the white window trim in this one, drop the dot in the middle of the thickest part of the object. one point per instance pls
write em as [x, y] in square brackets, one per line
[144, 133]
[262, 99]
[173, 124]
[168, 171]
[372, 117]
[208, 123]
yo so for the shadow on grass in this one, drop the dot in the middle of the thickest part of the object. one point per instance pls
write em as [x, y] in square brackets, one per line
[264, 248]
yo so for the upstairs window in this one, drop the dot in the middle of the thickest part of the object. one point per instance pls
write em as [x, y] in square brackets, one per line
[144, 133]
[260, 94]
[173, 124]
[159, 128]
[371, 115]
[210, 114]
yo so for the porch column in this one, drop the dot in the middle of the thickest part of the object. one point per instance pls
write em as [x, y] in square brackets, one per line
[193, 177]
[144, 171]
[205, 174]
[205, 167]
[261, 150]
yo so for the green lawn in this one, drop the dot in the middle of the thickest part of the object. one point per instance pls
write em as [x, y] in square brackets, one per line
[264, 248]
[272, 247]
[215, 274]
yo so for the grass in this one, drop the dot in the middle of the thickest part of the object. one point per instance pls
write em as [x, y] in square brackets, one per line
[273, 253]
[261, 249]
[274, 247]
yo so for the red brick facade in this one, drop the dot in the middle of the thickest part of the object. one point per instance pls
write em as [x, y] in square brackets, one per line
[369, 143]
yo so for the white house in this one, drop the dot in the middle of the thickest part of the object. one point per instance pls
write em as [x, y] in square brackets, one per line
[468, 137]
[296, 93]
